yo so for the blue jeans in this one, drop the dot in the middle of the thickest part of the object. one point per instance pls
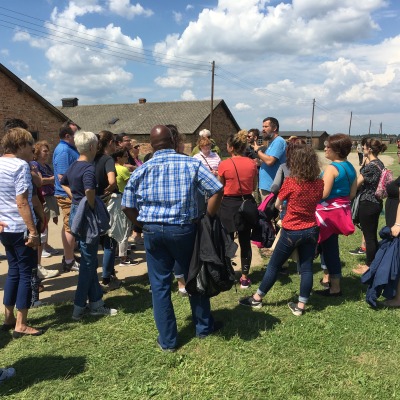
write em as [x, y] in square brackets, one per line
[88, 286]
[305, 240]
[21, 261]
[167, 245]
[109, 247]
[330, 256]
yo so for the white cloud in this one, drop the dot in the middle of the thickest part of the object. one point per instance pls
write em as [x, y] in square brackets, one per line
[242, 106]
[188, 95]
[125, 9]
[5, 52]
[189, 7]
[172, 81]
[177, 16]
[20, 66]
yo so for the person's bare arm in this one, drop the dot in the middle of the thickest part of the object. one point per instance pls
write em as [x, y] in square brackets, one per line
[112, 182]
[214, 202]
[132, 214]
[38, 209]
[26, 214]
[48, 181]
[395, 229]
[90, 196]
[67, 190]
[330, 174]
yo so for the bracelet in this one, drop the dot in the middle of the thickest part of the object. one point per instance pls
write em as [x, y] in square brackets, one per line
[397, 224]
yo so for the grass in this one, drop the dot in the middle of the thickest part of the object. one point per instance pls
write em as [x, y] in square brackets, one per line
[340, 349]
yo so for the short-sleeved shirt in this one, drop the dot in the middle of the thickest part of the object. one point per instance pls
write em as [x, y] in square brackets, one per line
[246, 169]
[64, 155]
[371, 173]
[103, 164]
[343, 182]
[123, 176]
[276, 149]
[15, 179]
[80, 177]
[302, 199]
[164, 189]
[211, 161]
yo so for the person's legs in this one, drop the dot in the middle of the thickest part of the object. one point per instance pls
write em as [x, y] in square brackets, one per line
[160, 264]
[88, 286]
[245, 251]
[306, 251]
[369, 218]
[109, 247]
[330, 251]
[282, 252]
[67, 238]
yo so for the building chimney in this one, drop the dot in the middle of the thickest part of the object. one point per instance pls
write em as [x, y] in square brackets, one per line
[69, 102]
[142, 100]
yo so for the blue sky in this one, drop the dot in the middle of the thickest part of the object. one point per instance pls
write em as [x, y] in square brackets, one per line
[272, 58]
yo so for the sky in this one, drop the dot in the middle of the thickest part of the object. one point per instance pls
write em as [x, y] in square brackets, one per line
[272, 58]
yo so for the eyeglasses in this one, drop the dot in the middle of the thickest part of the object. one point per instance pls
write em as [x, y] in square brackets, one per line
[137, 146]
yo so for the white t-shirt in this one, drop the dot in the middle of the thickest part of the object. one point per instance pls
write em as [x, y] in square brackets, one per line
[15, 179]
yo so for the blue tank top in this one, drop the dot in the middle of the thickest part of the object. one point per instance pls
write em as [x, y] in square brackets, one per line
[342, 183]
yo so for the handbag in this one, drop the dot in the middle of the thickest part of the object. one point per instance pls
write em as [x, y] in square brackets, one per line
[248, 211]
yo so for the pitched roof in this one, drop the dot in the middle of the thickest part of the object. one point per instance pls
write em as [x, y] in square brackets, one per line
[22, 86]
[138, 118]
[301, 133]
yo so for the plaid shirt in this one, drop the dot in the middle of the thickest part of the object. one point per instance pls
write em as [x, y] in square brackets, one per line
[165, 189]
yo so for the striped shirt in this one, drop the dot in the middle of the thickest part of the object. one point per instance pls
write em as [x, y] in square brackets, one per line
[164, 189]
[211, 161]
[15, 179]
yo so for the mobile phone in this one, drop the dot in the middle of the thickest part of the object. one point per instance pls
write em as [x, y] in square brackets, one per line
[259, 141]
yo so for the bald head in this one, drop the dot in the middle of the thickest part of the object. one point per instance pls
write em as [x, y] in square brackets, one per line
[161, 138]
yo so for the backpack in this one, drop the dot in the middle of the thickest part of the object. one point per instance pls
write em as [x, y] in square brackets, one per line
[384, 180]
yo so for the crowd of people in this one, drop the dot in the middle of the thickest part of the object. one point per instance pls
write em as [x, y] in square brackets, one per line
[108, 195]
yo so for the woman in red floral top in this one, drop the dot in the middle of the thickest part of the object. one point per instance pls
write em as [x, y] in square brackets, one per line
[303, 191]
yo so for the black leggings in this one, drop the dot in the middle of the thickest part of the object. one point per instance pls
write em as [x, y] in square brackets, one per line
[368, 214]
[245, 249]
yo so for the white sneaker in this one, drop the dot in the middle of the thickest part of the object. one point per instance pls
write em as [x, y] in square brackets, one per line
[44, 273]
[104, 311]
[46, 254]
[6, 373]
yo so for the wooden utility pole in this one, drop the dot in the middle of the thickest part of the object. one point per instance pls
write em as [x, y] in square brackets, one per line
[369, 129]
[212, 95]
[380, 130]
[312, 122]
[351, 117]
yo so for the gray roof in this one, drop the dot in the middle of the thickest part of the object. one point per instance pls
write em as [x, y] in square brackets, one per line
[301, 133]
[138, 118]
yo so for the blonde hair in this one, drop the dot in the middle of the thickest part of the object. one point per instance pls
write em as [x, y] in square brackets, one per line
[238, 142]
[14, 139]
[84, 140]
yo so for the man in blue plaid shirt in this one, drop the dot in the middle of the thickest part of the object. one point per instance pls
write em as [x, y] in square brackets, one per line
[162, 195]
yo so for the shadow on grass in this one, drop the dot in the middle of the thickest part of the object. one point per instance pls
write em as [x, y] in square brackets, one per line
[32, 370]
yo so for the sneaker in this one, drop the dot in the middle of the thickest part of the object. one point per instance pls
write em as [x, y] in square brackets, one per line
[359, 251]
[249, 301]
[113, 284]
[127, 262]
[46, 254]
[244, 283]
[104, 311]
[183, 293]
[6, 373]
[78, 313]
[295, 310]
[44, 273]
[51, 250]
[37, 304]
[72, 266]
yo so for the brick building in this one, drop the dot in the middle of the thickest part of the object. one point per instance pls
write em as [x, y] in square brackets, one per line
[18, 100]
[137, 119]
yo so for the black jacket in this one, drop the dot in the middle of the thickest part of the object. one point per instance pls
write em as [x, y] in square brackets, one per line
[210, 270]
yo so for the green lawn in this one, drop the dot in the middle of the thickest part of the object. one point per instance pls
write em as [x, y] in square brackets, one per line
[340, 349]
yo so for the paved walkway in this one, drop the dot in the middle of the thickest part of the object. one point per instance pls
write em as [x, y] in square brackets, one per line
[62, 288]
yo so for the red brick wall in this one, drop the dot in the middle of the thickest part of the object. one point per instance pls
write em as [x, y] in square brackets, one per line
[20, 104]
